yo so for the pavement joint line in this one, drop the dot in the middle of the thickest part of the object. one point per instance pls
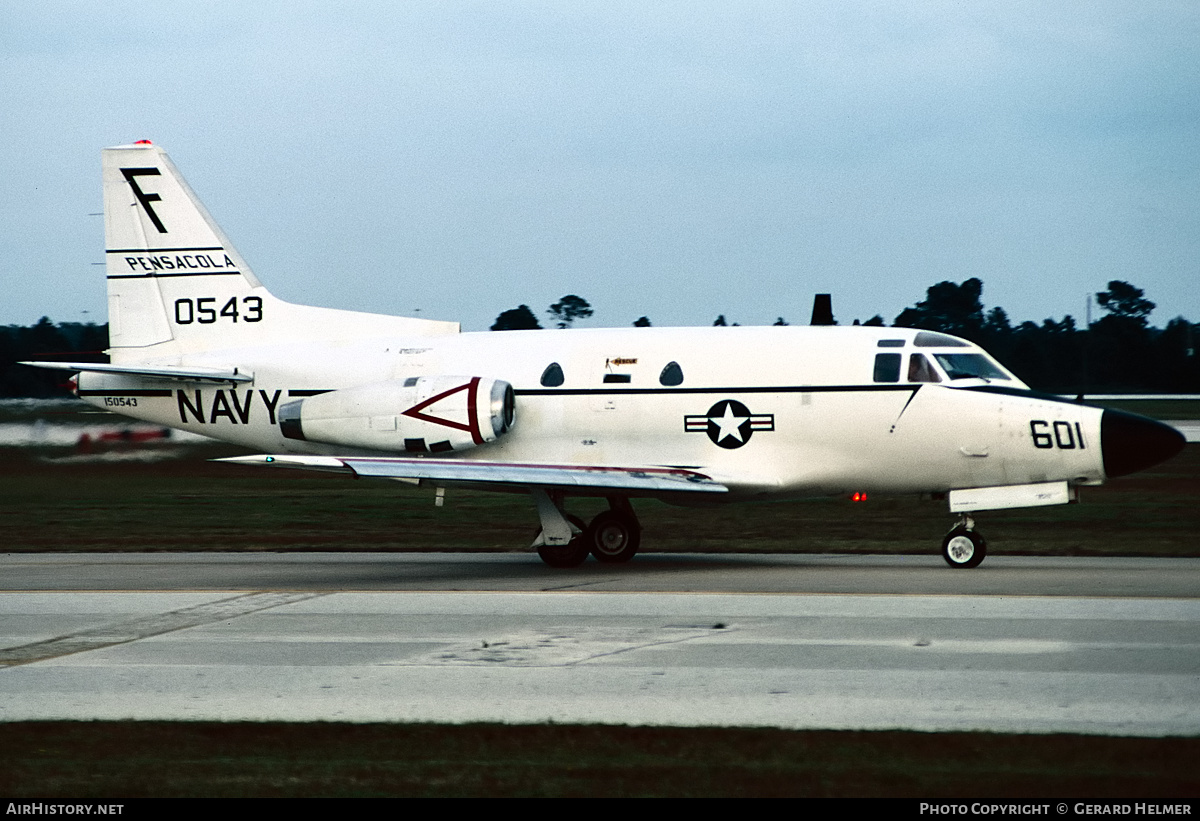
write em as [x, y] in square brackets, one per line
[132, 630]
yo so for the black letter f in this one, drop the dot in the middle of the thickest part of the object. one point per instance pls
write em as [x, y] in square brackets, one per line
[142, 197]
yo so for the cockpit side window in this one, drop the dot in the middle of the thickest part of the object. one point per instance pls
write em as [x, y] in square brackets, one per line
[552, 377]
[969, 366]
[921, 369]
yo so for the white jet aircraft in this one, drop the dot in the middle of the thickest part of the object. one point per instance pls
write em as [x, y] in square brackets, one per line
[687, 415]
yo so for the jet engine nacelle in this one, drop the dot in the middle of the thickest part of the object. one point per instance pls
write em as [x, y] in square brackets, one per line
[421, 414]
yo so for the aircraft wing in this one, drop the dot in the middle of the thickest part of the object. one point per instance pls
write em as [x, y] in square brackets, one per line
[642, 479]
[189, 374]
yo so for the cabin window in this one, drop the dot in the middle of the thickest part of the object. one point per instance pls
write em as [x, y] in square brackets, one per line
[921, 369]
[890, 343]
[671, 375]
[552, 377]
[887, 367]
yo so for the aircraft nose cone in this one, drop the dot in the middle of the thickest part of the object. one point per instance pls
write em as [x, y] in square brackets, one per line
[1131, 443]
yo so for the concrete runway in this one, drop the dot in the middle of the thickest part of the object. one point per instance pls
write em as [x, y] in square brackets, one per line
[1021, 644]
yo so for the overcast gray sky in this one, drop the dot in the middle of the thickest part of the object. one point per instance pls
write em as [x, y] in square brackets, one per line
[676, 160]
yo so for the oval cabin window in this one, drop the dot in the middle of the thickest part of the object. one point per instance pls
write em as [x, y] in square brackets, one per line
[552, 377]
[671, 375]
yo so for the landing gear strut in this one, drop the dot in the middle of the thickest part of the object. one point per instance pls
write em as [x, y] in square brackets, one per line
[560, 542]
[963, 546]
[563, 541]
[571, 554]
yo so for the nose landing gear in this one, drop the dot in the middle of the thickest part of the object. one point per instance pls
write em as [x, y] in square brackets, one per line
[964, 547]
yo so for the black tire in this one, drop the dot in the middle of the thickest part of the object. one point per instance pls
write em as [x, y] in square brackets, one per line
[963, 549]
[613, 538]
[572, 554]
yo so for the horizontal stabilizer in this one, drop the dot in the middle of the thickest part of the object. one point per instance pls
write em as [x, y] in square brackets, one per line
[646, 480]
[158, 371]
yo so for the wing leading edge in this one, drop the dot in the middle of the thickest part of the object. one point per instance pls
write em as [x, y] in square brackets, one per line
[641, 479]
[187, 374]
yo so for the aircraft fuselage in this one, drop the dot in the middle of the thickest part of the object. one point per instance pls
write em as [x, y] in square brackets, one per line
[780, 410]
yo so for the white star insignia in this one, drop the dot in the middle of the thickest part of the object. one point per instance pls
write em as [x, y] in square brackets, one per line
[729, 424]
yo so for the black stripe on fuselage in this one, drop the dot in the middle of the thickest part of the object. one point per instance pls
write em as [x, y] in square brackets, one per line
[305, 392]
[1025, 393]
[153, 392]
[127, 392]
[726, 390]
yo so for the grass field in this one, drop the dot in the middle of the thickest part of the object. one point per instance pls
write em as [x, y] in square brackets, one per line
[163, 759]
[1158, 408]
[52, 502]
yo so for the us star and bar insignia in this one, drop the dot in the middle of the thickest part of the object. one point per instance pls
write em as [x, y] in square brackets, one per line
[729, 423]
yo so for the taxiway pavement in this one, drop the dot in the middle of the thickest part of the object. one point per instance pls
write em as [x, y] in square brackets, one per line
[1020, 644]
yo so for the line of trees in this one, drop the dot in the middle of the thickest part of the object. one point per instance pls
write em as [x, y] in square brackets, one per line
[563, 313]
[1119, 352]
[69, 341]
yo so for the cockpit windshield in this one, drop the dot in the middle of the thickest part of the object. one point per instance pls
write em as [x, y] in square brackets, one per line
[969, 366]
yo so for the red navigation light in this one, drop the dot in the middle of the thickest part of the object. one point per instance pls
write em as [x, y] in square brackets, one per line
[858, 497]
[143, 142]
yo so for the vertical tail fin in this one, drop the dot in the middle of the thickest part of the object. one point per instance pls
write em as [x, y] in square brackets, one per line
[176, 286]
[171, 270]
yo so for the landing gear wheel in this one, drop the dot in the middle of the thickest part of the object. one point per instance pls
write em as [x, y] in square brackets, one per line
[572, 554]
[612, 537]
[963, 548]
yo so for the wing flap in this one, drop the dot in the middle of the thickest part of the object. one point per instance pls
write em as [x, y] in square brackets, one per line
[643, 479]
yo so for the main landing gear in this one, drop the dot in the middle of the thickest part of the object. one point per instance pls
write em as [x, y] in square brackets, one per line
[963, 546]
[614, 535]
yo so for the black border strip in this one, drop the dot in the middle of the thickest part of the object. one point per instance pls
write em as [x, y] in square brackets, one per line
[191, 274]
[160, 250]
